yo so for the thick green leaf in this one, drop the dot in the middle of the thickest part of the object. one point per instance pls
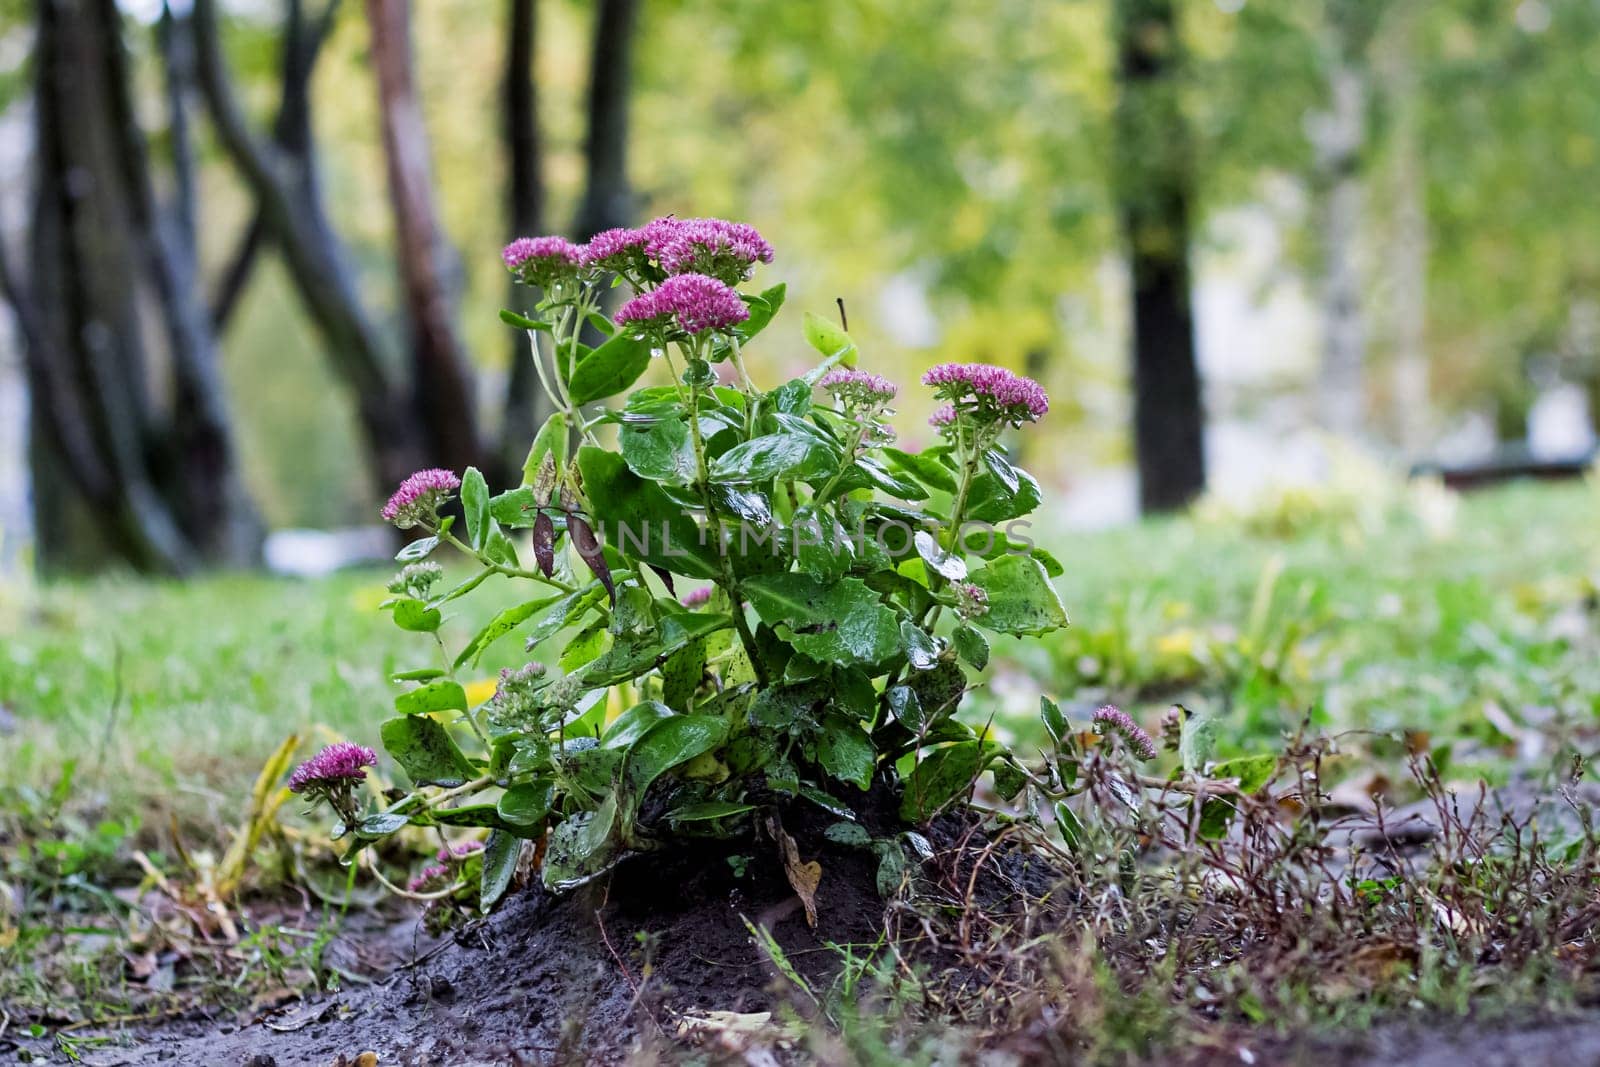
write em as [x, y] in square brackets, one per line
[845, 751]
[786, 456]
[565, 612]
[1071, 828]
[1021, 598]
[609, 369]
[922, 652]
[659, 448]
[442, 695]
[971, 646]
[582, 846]
[522, 322]
[475, 505]
[425, 751]
[551, 440]
[924, 467]
[638, 519]
[990, 500]
[632, 724]
[526, 806]
[830, 340]
[421, 548]
[667, 744]
[635, 654]
[762, 309]
[682, 674]
[943, 775]
[412, 614]
[708, 810]
[821, 547]
[500, 855]
[843, 623]
[501, 625]
[1253, 772]
[380, 824]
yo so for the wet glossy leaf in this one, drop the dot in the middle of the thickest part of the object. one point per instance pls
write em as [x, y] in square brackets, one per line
[414, 615]
[632, 724]
[527, 805]
[475, 505]
[843, 623]
[777, 456]
[500, 855]
[1021, 598]
[442, 695]
[638, 519]
[609, 369]
[943, 775]
[971, 646]
[947, 565]
[845, 751]
[424, 749]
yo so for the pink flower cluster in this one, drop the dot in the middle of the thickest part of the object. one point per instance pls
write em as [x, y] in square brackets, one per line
[1113, 720]
[542, 260]
[457, 853]
[725, 250]
[616, 249]
[858, 388]
[991, 394]
[695, 302]
[335, 767]
[419, 497]
[430, 880]
[695, 598]
[943, 417]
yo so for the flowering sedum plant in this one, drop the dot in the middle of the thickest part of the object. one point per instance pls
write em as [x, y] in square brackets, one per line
[736, 599]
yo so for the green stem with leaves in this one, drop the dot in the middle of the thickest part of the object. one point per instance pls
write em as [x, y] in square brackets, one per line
[728, 581]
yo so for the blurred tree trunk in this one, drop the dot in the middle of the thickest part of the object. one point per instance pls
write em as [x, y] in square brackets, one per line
[132, 452]
[526, 406]
[441, 379]
[283, 178]
[1410, 404]
[608, 199]
[1338, 137]
[1154, 175]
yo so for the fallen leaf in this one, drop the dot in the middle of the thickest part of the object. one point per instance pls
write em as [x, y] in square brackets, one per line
[803, 877]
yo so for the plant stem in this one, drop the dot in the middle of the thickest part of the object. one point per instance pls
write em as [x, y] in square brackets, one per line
[728, 582]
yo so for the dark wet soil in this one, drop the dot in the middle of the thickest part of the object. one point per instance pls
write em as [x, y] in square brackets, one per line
[579, 978]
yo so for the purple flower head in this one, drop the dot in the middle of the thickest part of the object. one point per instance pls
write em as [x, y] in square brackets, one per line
[695, 598]
[1112, 720]
[725, 250]
[694, 302]
[620, 250]
[457, 853]
[542, 260]
[943, 418]
[858, 388]
[430, 880]
[990, 394]
[419, 497]
[336, 767]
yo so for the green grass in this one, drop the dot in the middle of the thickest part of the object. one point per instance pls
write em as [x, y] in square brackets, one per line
[175, 693]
